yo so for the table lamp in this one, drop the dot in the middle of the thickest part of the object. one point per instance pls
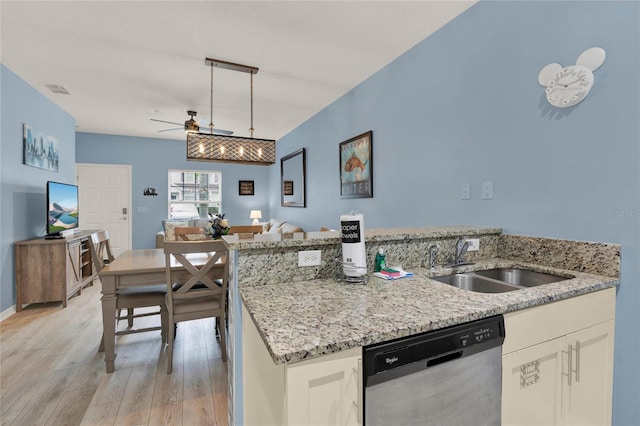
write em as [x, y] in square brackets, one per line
[255, 215]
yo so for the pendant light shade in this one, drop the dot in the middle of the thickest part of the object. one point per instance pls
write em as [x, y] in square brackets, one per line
[230, 149]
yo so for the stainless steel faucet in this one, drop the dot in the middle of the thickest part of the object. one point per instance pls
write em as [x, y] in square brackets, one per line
[462, 245]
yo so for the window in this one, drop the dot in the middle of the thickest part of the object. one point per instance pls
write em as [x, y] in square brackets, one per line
[194, 193]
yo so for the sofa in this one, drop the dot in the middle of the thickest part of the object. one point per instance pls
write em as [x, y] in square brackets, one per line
[278, 226]
[273, 226]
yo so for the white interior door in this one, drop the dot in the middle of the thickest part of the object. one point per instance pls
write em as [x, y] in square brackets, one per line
[105, 201]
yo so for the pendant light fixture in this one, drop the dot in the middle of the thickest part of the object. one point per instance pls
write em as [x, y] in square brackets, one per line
[230, 149]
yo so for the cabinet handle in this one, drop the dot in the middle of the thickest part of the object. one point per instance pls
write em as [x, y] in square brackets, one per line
[358, 403]
[569, 363]
[577, 370]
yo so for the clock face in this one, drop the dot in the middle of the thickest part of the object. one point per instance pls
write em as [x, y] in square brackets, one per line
[569, 86]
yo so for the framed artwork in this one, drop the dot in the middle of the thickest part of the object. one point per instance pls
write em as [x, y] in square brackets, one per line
[40, 150]
[287, 187]
[356, 167]
[245, 187]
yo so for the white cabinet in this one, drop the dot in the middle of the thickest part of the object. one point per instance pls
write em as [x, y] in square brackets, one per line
[326, 390]
[557, 364]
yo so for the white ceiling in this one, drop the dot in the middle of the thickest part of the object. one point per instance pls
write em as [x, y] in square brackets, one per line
[124, 62]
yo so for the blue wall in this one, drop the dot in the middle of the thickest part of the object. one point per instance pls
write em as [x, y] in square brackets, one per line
[23, 188]
[151, 160]
[464, 106]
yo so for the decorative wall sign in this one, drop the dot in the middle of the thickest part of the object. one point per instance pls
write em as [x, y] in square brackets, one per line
[245, 187]
[529, 373]
[40, 149]
[150, 192]
[356, 167]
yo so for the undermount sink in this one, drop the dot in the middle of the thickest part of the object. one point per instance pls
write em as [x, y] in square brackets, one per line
[521, 277]
[472, 282]
[498, 280]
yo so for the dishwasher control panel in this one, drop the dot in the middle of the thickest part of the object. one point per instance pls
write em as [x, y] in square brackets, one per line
[479, 335]
[435, 347]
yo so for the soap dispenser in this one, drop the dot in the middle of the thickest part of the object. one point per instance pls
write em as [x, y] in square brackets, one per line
[380, 262]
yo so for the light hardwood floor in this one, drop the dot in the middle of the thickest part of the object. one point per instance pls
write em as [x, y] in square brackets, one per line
[52, 374]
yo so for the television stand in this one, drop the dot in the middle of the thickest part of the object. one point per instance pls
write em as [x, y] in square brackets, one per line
[52, 270]
[53, 237]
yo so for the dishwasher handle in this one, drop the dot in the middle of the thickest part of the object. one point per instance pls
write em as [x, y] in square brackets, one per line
[444, 358]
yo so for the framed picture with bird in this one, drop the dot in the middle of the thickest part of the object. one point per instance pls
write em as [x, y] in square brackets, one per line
[356, 166]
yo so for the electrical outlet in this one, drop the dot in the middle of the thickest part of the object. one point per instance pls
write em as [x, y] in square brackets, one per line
[474, 244]
[309, 258]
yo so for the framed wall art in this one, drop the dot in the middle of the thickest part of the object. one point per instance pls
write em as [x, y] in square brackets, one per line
[40, 150]
[245, 187]
[356, 167]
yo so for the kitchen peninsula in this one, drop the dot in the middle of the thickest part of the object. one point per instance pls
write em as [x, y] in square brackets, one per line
[305, 316]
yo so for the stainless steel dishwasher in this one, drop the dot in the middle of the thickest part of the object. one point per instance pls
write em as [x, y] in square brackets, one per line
[448, 377]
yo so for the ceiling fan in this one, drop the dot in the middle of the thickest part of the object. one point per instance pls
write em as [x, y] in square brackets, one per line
[193, 125]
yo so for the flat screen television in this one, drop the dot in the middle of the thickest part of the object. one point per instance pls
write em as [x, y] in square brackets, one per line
[62, 208]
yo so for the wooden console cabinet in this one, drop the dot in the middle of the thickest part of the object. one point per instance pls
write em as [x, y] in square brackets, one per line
[52, 270]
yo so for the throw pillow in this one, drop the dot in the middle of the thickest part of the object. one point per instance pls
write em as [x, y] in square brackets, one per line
[288, 228]
[169, 227]
[265, 226]
[274, 224]
[198, 237]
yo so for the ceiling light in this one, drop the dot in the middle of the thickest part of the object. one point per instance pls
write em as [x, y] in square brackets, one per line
[230, 149]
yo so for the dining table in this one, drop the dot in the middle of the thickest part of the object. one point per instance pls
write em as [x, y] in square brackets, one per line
[136, 268]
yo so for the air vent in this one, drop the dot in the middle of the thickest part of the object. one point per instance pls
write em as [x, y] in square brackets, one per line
[56, 88]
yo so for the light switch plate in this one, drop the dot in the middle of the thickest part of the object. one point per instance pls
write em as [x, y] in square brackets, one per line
[465, 191]
[487, 190]
[474, 244]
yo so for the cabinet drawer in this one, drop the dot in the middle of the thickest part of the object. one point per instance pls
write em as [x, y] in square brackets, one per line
[546, 322]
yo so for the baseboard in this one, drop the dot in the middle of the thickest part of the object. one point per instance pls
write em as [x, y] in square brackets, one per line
[7, 313]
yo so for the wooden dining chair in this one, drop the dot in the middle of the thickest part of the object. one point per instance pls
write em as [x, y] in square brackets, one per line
[130, 298]
[189, 233]
[193, 293]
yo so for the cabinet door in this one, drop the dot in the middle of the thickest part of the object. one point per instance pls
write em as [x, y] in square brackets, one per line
[531, 385]
[589, 395]
[74, 265]
[325, 391]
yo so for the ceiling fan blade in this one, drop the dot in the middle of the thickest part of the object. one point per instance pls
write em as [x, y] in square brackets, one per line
[216, 131]
[168, 122]
[204, 128]
[171, 130]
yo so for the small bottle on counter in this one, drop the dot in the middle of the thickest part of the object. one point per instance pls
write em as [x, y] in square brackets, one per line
[381, 262]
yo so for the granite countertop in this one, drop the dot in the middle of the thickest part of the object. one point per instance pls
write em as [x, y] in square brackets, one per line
[301, 239]
[302, 320]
